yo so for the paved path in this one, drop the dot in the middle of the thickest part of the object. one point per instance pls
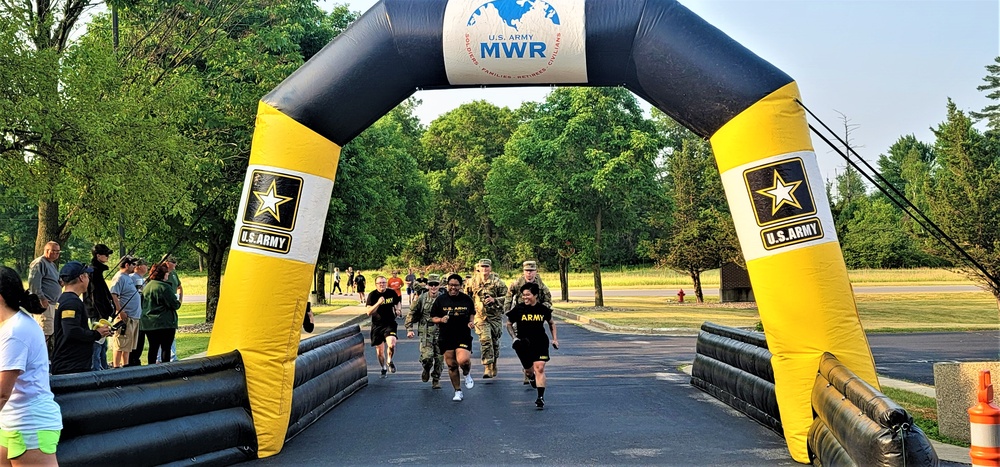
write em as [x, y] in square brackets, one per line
[611, 400]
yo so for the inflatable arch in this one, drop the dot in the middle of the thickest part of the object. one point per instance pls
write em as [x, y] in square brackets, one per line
[658, 49]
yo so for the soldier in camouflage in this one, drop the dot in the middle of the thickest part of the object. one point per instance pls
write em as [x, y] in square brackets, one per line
[514, 291]
[420, 312]
[487, 291]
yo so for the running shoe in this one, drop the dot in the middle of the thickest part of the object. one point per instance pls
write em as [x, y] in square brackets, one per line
[426, 374]
[436, 384]
[383, 372]
[392, 367]
[468, 382]
[540, 402]
[458, 396]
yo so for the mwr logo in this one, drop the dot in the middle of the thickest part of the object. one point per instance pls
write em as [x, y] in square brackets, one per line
[779, 191]
[514, 39]
[273, 201]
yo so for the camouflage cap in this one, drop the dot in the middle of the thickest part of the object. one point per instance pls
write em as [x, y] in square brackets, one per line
[433, 278]
[485, 262]
[530, 266]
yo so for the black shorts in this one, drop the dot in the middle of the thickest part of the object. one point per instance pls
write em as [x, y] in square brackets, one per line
[361, 289]
[530, 351]
[448, 342]
[381, 331]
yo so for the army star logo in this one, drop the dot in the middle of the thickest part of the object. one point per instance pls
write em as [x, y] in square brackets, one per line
[779, 191]
[275, 200]
[269, 202]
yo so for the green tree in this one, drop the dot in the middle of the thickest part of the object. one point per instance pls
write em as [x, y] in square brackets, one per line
[580, 169]
[872, 239]
[991, 113]
[699, 234]
[459, 149]
[963, 194]
[380, 198]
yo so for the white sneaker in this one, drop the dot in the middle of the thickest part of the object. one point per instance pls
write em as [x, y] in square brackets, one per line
[469, 383]
[458, 396]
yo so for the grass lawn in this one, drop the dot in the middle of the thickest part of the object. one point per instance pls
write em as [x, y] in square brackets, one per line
[923, 409]
[879, 312]
[637, 278]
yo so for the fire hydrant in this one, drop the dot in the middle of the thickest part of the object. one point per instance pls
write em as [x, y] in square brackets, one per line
[680, 296]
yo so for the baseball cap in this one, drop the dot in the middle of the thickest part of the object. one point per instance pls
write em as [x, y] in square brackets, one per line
[74, 269]
[434, 279]
[127, 260]
[170, 259]
[102, 249]
[530, 266]
[485, 262]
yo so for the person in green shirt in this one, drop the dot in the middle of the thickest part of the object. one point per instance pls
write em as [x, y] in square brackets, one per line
[159, 314]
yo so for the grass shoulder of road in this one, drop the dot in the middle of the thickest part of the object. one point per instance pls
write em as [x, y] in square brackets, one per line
[923, 409]
[647, 277]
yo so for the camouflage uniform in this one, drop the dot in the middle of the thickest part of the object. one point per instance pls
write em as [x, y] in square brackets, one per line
[514, 293]
[430, 354]
[489, 318]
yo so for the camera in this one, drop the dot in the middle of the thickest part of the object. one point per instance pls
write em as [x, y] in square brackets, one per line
[118, 328]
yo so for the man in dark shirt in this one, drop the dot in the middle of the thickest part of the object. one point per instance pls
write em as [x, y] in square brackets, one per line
[74, 340]
[530, 342]
[454, 314]
[384, 305]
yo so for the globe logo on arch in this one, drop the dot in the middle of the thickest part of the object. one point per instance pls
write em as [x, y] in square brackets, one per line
[513, 39]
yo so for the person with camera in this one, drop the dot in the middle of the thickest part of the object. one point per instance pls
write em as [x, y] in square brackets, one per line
[159, 313]
[487, 291]
[30, 419]
[98, 301]
[74, 339]
[454, 313]
[129, 306]
[525, 325]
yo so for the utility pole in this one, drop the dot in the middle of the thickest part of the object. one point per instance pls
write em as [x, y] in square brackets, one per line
[121, 216]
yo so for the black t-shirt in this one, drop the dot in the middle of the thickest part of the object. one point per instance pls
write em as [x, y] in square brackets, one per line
[74, 340]
[458, 309]
[360, 281]
[386, 312]
[530, 320]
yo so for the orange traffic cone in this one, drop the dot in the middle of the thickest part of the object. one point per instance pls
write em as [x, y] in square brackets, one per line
[984, 423]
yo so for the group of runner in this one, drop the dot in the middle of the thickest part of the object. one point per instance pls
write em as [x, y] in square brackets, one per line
[446, 322]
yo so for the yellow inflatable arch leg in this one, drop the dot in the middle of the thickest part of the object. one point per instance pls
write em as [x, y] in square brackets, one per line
[279, 228]
[783, 219]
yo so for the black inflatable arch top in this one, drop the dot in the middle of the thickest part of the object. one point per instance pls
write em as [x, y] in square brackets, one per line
[395, 49]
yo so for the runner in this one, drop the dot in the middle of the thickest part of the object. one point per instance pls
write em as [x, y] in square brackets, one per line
[530, 342]
[384, 306]
[454, 313]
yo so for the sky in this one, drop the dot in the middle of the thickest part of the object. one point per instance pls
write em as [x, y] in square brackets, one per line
[889, 66]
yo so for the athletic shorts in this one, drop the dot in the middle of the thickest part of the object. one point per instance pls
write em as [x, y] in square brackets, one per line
[409, 290]
[381, 331]
[451, 342]
[530, 351]
[361, 289]
[17, 441]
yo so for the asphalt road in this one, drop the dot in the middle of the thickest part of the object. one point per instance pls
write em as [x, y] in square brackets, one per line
[911, 356]
[611, 400]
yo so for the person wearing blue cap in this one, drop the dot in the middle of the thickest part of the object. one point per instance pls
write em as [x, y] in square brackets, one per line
[74, 340]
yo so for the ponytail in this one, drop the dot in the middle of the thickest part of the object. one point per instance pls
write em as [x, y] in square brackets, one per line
[12, 291]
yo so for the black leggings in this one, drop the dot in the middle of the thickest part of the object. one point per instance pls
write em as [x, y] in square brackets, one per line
[159, 339]
[336, 287]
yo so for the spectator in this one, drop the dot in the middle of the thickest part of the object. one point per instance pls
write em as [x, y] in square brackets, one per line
[410, 279]
[175, 281]
[98, 301]
[73, 339]
[336, 282]
[126, 297]
[30, 420]
[43, 281]
[350, 280]
[159, 314]
[139, 278]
